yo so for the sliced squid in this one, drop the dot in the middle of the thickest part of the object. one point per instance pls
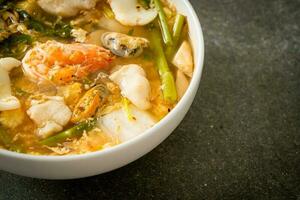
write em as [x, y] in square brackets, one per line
[119, 125]
[66, 8]
[62, 63]
[131, 13]
[124, 45]
[50, 115]
[7, 101]
[134, 85]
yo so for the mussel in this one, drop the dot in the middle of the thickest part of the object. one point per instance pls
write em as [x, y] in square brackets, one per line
[124, 45]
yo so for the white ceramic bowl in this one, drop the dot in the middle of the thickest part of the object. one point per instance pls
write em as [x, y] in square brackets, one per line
[77, 166]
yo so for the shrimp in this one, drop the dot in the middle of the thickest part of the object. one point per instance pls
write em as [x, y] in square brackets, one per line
[63, 63]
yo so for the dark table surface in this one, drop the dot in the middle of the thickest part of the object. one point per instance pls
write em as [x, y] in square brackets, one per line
[241, 138]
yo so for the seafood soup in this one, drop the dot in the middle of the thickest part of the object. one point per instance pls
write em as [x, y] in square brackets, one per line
[78, 76]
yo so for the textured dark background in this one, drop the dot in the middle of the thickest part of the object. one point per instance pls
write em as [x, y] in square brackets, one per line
[240, 140]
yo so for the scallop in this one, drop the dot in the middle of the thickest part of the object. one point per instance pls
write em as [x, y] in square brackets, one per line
[131, 13]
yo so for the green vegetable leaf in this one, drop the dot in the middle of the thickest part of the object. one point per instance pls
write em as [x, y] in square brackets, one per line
[70, 133]
[15, 45]
[145, 3]
[58, 29]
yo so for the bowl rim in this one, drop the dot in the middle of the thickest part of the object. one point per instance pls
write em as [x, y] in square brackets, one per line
[192, 89]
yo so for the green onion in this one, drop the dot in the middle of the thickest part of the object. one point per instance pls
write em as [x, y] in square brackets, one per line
[69, 133]
[177, 30]
[166, 76]
[126, 104]
[163, 23]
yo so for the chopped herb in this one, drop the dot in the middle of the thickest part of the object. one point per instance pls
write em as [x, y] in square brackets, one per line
[58, 29]
[147, 56]
[15, 41]
[130, 32]
[151, 26]
[127, 109]
[145, 3]
[108, 13]
[21, 93]
[87, 81]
